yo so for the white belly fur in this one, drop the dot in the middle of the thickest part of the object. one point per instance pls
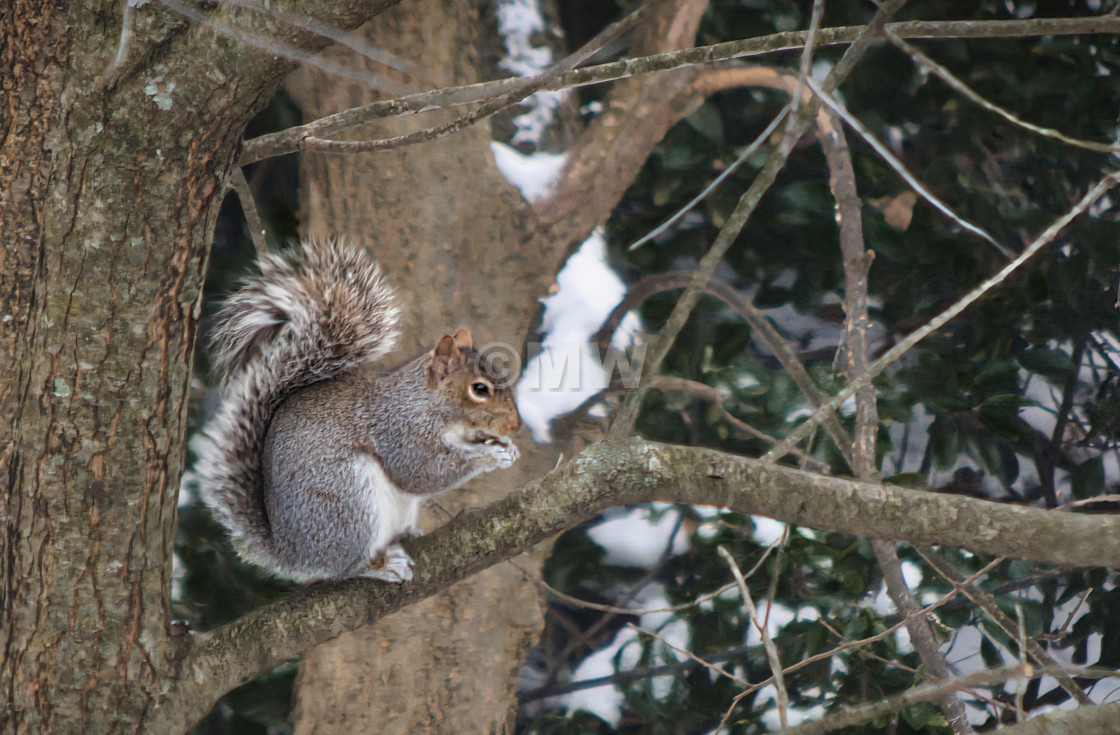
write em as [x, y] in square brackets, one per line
[393, 513]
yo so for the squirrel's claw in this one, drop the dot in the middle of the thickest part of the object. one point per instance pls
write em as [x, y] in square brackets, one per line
[506, 452]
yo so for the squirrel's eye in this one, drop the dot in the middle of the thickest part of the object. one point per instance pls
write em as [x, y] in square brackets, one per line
[480, 390]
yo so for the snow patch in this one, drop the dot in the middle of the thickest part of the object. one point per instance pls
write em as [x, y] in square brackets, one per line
[518, 22]
[634, 538]
[533, 175]
[568, 370]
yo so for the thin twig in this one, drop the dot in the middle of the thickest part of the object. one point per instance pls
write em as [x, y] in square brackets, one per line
[1112, 498]
[1069, 618]
[707, 190]
[685, 652]
[351, 41]
[988, 604]
[853, 645]
[288, 141]
[855, 359]
[249, 207]
[283, 50]
[760, 326]
[927, 64]
[799, 124]
[921, 633]
[1020, 712]
[904, 345]
[713, 396]
[853, 716]
[767, 642]
[885, 153]
[946, 601]
[1045, 461]
[674, 609]
[527, 87]
[123, 46]
[776, 571]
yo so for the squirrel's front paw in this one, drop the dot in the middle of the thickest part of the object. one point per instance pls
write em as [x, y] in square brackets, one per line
[502, 451]
[391, 565]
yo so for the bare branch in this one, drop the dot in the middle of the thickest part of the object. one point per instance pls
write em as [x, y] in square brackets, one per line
[928, 64]
[762, 327]
[892, 355]
[856, 357]
[527, 87]
[772, 656]
[249, 207]
[798, 125]
[892, 161]
[851, 716]
[806, 65]
[685, 652]
[624, 473]
[988, 604]
[723, 176]
[615, 144]
[352, 41]
[713, 396]
[289, 141]
[123, 46]
[850, 645]
[282, 50]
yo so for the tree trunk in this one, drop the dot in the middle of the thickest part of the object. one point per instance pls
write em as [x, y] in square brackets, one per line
[465, 248]
[452, 234]
[109, 189]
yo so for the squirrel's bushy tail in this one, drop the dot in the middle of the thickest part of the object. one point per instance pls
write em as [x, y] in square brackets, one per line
[311, 312]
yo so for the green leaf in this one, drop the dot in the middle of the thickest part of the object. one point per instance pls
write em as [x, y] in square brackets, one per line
[990, 654]
[1088, 478]
[707, 121]
[1051, 363]
[912, 480]
[665, 189]
[682, 158]
[920, 715]
[945, 440]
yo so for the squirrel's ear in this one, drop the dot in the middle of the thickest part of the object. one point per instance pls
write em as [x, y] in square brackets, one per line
[446, 355]
[462, 338]
[446, 348]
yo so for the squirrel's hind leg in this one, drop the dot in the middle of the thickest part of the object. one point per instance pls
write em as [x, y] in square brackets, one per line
[393, 564]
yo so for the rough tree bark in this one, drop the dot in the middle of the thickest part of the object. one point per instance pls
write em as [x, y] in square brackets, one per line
[109, 190]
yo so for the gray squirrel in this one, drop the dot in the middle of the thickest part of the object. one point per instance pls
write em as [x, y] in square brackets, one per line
[316, 461]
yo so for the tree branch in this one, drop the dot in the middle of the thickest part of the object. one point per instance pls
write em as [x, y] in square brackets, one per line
[1108, 180]
[636, 116]
[516, 95]
[798, 125]
[988, 603]
[289, 141]
[760, 325]
[852, 716]
[1099, 720]
[856, 358]
[625, 473]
